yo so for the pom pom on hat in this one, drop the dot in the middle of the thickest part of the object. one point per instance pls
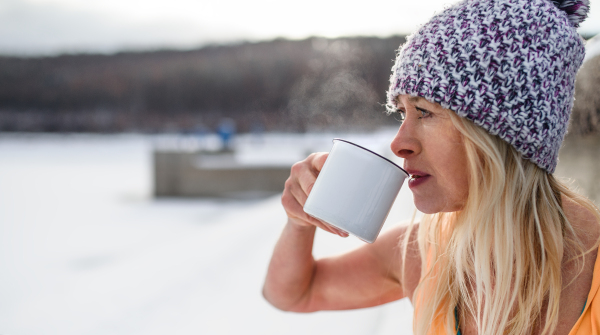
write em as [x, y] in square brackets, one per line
[577, 10]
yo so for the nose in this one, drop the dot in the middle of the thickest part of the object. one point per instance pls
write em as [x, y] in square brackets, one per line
[405, 144]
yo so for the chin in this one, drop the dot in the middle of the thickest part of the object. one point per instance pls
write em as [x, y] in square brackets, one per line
[427, 206]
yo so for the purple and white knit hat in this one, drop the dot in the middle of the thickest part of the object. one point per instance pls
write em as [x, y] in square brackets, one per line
[507, 65]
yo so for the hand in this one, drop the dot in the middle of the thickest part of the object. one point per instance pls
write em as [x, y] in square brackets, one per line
[297, 188]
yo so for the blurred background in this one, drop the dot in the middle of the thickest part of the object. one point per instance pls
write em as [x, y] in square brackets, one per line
[144, 146]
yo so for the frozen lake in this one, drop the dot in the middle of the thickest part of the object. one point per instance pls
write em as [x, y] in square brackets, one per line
[85, 249]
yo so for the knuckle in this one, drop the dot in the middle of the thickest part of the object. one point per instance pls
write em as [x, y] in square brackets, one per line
[285, 199]
[297, 167]
[288, 183]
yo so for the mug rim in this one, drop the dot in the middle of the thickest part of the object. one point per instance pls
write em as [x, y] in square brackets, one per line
[371, 151]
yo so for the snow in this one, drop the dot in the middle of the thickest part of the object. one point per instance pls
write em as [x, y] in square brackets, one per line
[85, 249]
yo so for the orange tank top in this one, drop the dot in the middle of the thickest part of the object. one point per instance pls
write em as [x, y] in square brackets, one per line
[589, 321]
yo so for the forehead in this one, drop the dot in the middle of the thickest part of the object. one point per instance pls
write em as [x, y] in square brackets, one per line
[412, 100]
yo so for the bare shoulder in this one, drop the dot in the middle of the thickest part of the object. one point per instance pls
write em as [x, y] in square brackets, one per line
[404, 247]
[577, 276]
[584, 221]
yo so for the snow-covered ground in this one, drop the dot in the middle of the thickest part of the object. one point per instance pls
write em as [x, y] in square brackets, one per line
[85, 249]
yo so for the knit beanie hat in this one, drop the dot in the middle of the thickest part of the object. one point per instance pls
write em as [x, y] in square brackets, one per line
[507, 65]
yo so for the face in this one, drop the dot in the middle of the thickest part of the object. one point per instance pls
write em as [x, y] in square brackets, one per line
[434, 155]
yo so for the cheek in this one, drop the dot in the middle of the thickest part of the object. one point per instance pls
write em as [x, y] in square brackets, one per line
[450, 160]
[457, 173]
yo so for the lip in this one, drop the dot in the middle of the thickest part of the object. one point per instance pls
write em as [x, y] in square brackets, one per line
[414, 182]
[422, 178]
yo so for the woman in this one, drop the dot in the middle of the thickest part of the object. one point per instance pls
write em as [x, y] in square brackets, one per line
[485, 89]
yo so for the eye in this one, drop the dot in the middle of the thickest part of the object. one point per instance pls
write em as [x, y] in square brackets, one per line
[399, 115]
[424, 113]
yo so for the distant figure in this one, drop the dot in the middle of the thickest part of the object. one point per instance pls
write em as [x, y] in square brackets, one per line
[226, 131]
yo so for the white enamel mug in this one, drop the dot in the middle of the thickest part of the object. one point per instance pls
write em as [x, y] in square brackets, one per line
[355, 190]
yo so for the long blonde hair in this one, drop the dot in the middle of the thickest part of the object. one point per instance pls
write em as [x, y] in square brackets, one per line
[499, 259]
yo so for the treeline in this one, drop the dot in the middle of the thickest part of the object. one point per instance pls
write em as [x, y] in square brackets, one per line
[276, 85]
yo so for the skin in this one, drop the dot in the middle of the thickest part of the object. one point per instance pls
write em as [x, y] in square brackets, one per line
[371, 274]
[431, 145]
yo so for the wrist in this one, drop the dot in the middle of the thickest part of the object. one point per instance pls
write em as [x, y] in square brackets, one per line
[300, 226]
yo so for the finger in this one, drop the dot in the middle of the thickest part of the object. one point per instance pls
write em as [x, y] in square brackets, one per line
[331, 229]
[298, 193]
[295, 211]
[325, 226]
[338, 231]
[307, 179]
[319, 160]
[302, 176]
[301, 197]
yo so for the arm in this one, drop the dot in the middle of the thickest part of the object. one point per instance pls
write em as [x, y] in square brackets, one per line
[297, 282]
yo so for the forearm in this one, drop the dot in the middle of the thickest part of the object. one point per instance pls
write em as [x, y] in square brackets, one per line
[291, 269]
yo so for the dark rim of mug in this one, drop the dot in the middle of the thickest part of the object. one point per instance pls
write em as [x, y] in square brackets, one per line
[374, 153]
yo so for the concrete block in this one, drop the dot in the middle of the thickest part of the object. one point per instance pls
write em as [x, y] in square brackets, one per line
[201, 174]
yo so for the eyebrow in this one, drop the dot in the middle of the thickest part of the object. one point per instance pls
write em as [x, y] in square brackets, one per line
[414, 99]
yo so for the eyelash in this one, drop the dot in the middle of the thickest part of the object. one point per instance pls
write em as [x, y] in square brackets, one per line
[423, 112]
[400, 115]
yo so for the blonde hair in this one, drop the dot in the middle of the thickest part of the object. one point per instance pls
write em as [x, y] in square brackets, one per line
[499, 259]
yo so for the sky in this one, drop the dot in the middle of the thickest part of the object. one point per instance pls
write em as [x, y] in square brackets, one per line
[48, 27]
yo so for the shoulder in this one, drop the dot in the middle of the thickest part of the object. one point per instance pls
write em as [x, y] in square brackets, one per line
[585, 221]
[401, 245]
[578, 271]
